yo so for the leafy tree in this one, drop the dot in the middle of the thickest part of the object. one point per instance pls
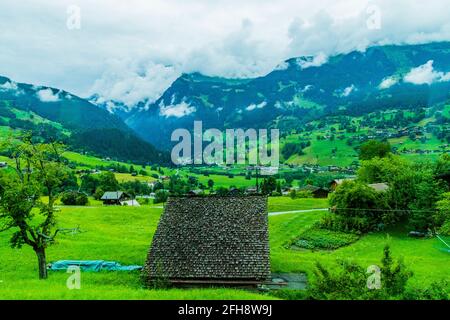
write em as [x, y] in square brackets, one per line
[160, 196]
[98, 193]
[414, 188]
[442, 216]
[89, 183]
[107, 181]
[278, 187]
[293, 194]
[269, 185]
[210, 184]
[38, 169]
[358, 208]
[74, 198]
[373, 148]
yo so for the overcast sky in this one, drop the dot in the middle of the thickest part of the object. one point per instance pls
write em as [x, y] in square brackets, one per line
[132, 50]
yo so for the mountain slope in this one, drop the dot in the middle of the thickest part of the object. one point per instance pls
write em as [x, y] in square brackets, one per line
[64, 116]
[301, 90]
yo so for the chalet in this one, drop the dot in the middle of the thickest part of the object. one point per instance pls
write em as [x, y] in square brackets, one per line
[317, 192]
[211, 241]
[114, 198]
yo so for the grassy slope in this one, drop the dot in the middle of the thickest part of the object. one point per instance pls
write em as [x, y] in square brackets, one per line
[320, 150]
[124, 234]
[423, 256]
[109, 233]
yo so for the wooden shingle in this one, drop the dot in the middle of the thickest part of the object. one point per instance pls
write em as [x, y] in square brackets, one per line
[211, 239]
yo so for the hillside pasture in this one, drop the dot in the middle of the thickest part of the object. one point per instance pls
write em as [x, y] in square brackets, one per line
[124, 234]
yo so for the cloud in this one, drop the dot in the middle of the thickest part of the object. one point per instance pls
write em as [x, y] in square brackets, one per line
[11, 86]
[133, 81]
[347, 91]
[131, 52]
[282, 66]
[256, 106]
[387, 83]
[425, 74]
[178, 110]
[47, 95]
[316, 61]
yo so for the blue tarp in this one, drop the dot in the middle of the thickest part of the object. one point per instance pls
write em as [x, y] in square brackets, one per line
[92, 265]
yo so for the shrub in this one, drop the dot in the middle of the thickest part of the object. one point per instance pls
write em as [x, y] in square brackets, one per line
[442, 217]
[98, 194]
[74, 198]
[350, 281]
[304, 194]
[438, 290]
[160, 196]
[143, 201]
[445, 229]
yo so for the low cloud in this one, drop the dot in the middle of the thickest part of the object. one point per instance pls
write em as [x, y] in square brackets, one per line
[425, 74]
[178, 110]
[308, 62]
[387, 83]
[254, 106]
[347, 91]
[47, 95]
[128, 53]
[130, 82]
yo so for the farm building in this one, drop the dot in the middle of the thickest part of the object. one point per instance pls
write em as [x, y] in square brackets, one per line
[3, 165]
[317, 192]
[211, 241]
[337, 182]
[114, 198]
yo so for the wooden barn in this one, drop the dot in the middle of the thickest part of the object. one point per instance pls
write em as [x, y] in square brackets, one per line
[114, 198]
[317, 192]
[211, 241]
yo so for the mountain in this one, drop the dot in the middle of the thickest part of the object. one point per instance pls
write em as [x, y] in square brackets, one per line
[56, 114]
[299, 91]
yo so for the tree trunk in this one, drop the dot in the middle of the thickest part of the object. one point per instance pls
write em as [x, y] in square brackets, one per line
[42, 263]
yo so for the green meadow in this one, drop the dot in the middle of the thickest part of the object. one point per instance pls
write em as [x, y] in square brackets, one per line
[124, 234]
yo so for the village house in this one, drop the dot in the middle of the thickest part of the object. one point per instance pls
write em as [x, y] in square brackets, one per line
[114, 198]
[317, 192]
[337, 182]
[211, 241]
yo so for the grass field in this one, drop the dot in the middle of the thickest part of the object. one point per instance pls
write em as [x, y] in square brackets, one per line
[124, 234]
[125, 177]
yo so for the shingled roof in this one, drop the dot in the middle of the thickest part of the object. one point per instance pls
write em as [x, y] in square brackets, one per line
[211, 240]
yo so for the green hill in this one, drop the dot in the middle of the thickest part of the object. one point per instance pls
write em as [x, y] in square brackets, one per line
[53, 114]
